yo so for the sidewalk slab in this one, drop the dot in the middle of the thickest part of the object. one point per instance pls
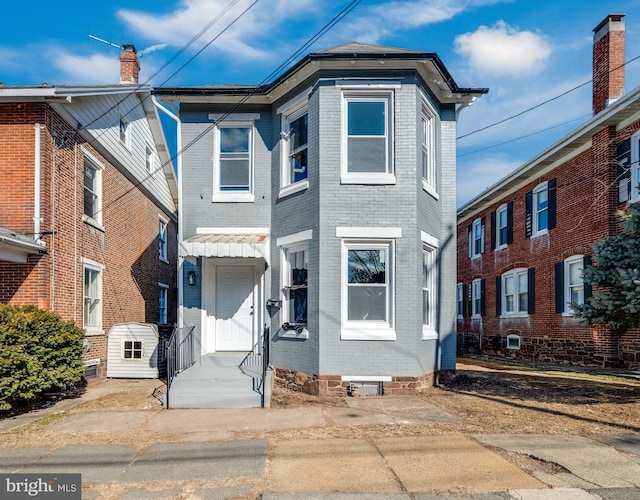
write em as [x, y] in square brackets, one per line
[199, 461]
[100, 421]
[626, 442]
[97, 464]
[553, 494]
[592, 461]
[13, 459]
[225, 420]
[445, 464]
[329, 465]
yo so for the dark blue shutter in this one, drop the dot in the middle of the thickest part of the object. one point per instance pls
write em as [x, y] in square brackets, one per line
[483, 305]
[588, 290]
[551, 186]
[493, 230]
[528, 220]
[509, 223]
[559, 287]
[498, 295]
[465, 304]
[531, 292]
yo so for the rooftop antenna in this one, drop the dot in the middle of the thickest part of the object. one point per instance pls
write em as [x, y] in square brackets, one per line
[107, 42]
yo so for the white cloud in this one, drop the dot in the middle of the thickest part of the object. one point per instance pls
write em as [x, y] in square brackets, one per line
[95, 68]
[503, 50]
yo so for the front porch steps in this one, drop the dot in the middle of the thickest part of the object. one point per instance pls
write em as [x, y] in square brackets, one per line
[221, 380]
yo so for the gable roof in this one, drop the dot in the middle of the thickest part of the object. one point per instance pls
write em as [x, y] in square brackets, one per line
[624, 110]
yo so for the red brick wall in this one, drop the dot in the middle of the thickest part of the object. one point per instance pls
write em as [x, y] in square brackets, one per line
[586, 204]
[128, 246]
[608, 61]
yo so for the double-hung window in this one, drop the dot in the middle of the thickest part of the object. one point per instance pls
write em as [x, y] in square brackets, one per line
[502, 226]
[476, 238]
[515, 292]
[427, 150]
[92, 190]
[541, 209]
[428, 289]
[233, 162]
[163, 291]
[476, 298]
[367, 138]
[570, 286]
[635, 167]
[368, 288]
[162, 240]
[92, 297]
[297, 155]
[459, 300]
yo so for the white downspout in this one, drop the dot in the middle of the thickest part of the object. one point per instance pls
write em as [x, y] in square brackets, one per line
[176, 118]
[36, 185]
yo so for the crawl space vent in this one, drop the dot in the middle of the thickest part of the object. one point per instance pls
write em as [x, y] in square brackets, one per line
[357, 388]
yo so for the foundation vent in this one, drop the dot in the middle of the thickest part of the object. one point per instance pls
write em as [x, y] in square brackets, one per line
[361, 388]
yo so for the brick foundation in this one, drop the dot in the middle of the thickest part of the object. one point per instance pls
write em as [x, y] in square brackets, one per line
[333, 385]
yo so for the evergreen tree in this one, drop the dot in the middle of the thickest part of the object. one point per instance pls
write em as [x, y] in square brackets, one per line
[616, 274]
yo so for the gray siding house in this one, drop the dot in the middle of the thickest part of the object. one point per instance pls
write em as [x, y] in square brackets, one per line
[319, 211]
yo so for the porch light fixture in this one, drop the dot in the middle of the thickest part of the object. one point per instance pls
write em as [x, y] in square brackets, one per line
[191, 278]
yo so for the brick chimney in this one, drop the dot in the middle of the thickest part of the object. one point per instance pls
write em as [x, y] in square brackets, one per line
[129, 65]
[608, 60]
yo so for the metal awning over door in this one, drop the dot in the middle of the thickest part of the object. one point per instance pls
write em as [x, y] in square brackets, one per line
[225, 245]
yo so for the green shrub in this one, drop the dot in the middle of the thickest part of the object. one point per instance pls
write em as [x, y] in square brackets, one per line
[38, 351]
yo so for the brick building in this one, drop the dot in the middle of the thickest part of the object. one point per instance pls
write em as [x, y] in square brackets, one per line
[88, 218]
[522, 243]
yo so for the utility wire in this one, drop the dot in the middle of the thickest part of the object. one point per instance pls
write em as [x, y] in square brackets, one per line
[540, 104]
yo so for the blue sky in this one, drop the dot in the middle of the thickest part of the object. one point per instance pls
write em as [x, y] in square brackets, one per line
[524, 51]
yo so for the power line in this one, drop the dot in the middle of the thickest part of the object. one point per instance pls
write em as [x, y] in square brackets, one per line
[541, 104]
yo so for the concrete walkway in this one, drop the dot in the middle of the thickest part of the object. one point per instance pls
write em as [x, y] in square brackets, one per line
[215, 460]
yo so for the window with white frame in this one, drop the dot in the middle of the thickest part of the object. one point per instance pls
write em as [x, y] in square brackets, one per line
[92, 190]
[459, 300]
[541, 209]
[428, 287]
[163, 291]
[92, 297]
[515, 287]
[296, 260]
[132, 349]
[427, 141]
[125, 131]
[476, 238]
[635, 167]
[573, 282]
[513, 341]
[233, 158]
[295, 126]
[502, 227]
[476, 298]
[149, 160]
[367, 148]
[162, 240]
[368, 287]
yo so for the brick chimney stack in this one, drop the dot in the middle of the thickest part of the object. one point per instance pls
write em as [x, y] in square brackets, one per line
[129, 65]
[608, 60]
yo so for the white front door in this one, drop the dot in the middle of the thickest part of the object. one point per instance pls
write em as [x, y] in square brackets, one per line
[234, 308]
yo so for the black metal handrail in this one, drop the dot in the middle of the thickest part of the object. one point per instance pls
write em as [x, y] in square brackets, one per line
[180, 354]
[265, 362]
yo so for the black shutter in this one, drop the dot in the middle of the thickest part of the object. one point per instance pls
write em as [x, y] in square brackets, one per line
[588, 291]
[528, 220]
[493, 230]
[483, 305]
[482, 232]
[623, 173]
[470, 242]
[498, 295]
[559, 287]
[531, 292]
[551, 186]
[509, 223]
[465, 312]
[469, 298]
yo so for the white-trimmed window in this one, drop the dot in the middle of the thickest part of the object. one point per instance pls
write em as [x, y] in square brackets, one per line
[368, 138]
[635, 167]
[163, 291]
[125, 132]
[132, 349]
[296, 259]
[541, 209]
[515, 287]
[502, 227]
[162, 240]
[476, 298]
[233, 162]
[513, 341]
[429, 287]
[92, 297]
[570, 286]
[427, 149]
[295, 169]
[92, 190]
[149, 160]
[459, 300]
[476, 238]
